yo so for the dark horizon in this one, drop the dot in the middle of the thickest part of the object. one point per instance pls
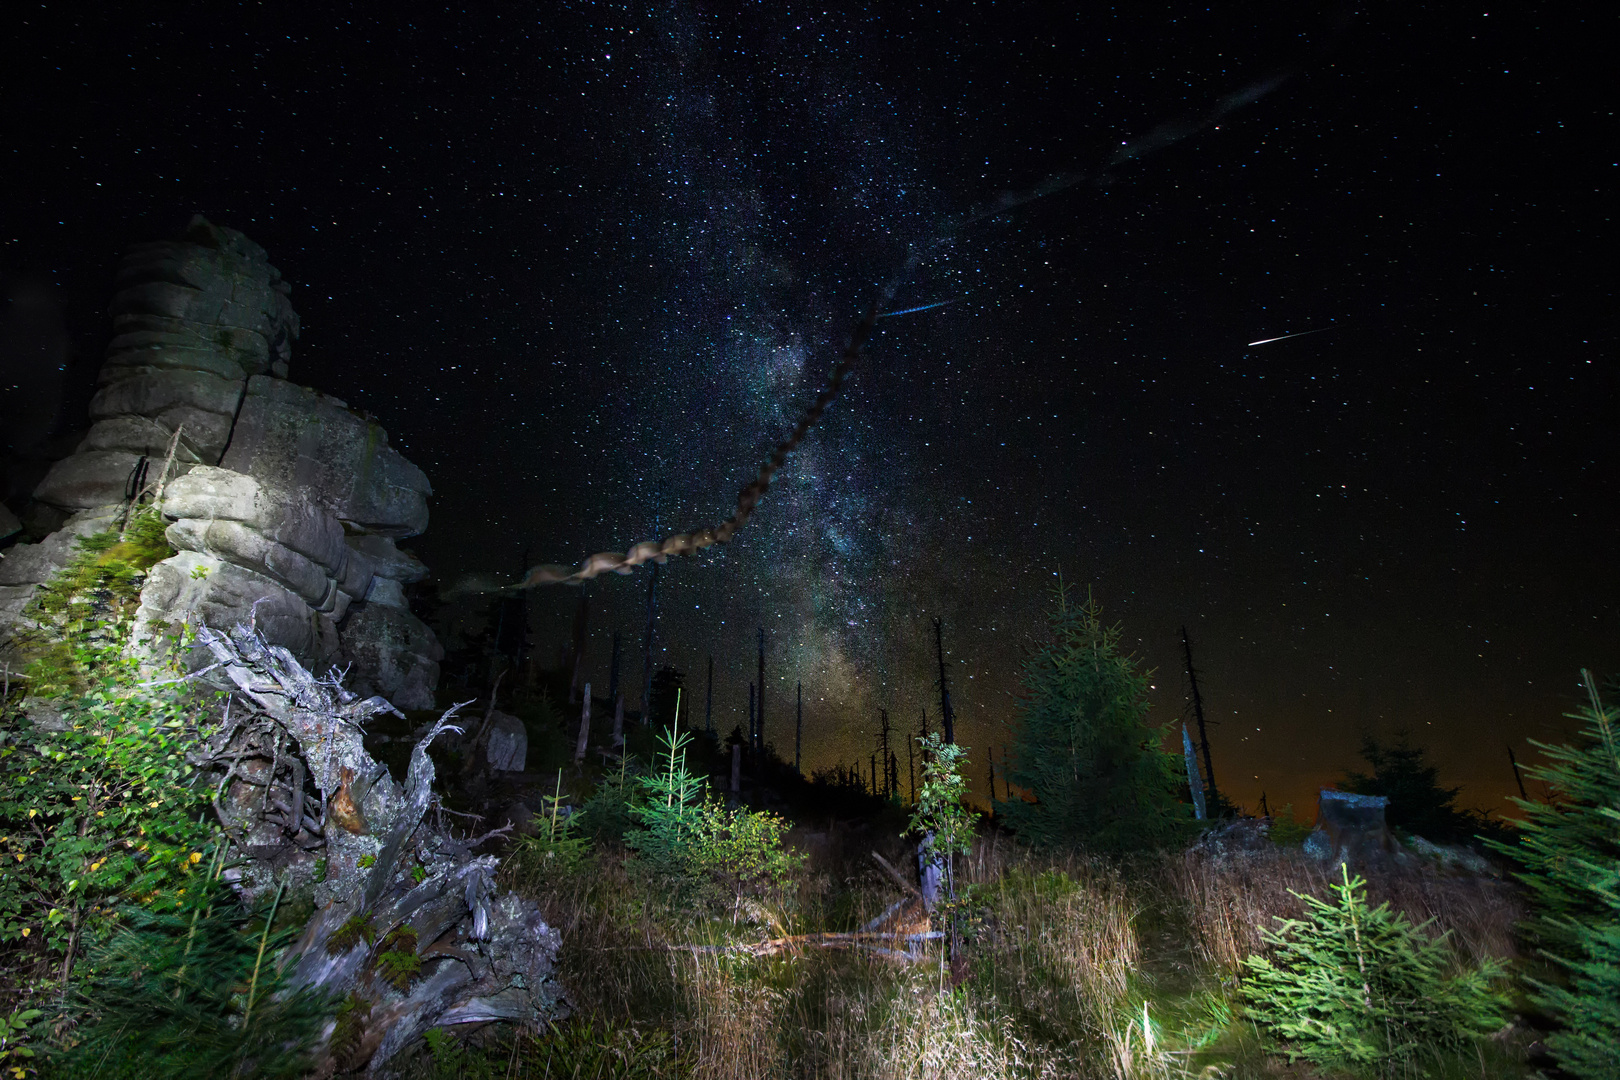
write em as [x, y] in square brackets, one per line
[587, 272]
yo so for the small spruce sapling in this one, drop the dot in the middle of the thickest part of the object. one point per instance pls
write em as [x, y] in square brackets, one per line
[1359, 988]
[1570, 850]
[693, 841]
[193, 991]
[667, 812]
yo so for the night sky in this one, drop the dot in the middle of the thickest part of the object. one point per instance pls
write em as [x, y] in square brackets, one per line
[587, 262]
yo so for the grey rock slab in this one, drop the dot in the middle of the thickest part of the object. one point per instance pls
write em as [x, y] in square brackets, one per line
[13, 600]
[8, 522]
[150, 391]
[208, 360]
[221, 299]
[201, 588]
[244, 546]
[208, 492]
[247, 349]
[357, 574]
[390, 561]
[299, 439]
[387, 592]
[91, 479]
[393, 653]
[142, 435]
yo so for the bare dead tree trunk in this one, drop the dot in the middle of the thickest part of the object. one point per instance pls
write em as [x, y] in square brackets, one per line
[647, 646]
[759, 729]
[1198, 714]
[584, 727]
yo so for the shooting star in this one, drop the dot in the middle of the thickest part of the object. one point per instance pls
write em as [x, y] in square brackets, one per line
[924, 307]
[1285, 337]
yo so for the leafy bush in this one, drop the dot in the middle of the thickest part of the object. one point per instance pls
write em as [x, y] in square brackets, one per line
[1362, 988]
[98, 807]
[741, 849]
[80, 618]
[100, 811]
[1570, 848]
[15, 1053]
[104, 832]
[940, 812]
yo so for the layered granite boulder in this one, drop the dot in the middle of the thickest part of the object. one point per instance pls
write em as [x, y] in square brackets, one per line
[286, 504]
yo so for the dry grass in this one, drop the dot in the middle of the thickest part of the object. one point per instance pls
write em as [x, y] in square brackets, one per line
[1231, 901]
[1059, 935]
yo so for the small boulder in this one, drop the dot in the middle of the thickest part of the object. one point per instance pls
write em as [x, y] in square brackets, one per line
[506, 747]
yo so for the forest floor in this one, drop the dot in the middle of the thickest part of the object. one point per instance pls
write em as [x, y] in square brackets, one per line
[1069, 967]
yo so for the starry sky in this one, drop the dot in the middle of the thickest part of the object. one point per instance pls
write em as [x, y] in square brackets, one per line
[588, 261]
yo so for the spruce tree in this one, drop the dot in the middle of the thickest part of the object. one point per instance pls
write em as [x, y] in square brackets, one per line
[1096, 769]
[1570, 849]
[1417, 803]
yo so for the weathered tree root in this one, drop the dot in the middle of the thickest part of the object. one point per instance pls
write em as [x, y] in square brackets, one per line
[303, 802]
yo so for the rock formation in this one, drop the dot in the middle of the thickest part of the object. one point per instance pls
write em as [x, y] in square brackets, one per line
[286, 503]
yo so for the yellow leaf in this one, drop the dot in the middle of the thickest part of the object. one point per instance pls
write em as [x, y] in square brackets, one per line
[26, 931]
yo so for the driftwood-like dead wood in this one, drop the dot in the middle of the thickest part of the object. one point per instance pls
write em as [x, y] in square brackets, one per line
[366, 851]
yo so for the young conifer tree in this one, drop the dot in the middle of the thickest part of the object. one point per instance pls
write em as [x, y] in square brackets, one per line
[1570, 849]
[1097, 770]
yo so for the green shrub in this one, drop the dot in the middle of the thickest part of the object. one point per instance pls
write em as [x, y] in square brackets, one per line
[100, 812]
[1288, 829]
[694, 842]
[1361, 988]
[741, 849]
[15, 1053]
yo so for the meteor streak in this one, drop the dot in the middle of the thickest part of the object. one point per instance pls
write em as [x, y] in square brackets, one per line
[1285, 337]
[924, 307]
